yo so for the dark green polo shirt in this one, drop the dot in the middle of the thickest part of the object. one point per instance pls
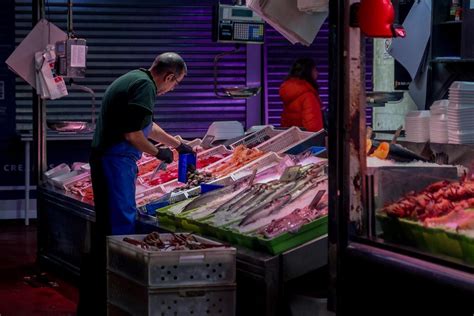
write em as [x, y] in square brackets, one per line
[127, 106]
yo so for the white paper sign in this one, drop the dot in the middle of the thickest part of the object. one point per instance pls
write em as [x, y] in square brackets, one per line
[78, 56]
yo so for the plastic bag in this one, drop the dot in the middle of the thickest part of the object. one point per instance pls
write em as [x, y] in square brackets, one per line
[49, 84]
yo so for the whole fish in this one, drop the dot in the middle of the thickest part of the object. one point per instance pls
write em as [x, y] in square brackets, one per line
[265, 210]
[205, 210]
[248, 194]
[298, 199]
[280, 191]
[209, 197]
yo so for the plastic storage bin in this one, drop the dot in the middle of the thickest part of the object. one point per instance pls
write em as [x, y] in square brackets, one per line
[138, 300]
[204, 267]
[287, 140]
[257, 138]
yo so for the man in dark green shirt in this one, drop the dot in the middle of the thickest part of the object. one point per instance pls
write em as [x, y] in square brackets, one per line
[123, 128]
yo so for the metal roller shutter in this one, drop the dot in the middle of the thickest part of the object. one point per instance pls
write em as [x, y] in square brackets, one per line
[126, 34]
[280, 55]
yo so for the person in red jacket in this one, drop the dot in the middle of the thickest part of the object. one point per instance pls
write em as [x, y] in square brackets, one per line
[299, 93]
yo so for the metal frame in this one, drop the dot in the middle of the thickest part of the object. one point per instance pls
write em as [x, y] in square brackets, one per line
[39, 112]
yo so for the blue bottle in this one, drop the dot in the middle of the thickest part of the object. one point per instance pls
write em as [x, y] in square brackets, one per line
[185, 162]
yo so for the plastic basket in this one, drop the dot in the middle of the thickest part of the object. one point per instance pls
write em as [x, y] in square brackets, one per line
[256, 138]
[285, 140]
[213, 266]
[136, 299]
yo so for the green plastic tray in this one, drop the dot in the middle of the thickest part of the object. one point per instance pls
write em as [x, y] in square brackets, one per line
[276, 245]
[433, 240]
[286, 241]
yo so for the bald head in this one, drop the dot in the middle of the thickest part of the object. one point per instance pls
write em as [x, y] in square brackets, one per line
[169, 63]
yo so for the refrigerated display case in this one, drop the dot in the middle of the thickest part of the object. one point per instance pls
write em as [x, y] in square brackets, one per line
[67, 214]
[400, 234]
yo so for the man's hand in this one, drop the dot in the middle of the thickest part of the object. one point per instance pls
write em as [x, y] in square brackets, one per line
[165, 154]
[184, 149]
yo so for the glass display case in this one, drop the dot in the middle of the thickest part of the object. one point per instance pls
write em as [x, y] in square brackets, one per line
[402, 210]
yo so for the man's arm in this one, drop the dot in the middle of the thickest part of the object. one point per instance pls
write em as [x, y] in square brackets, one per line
[139, 141]
[159, 135]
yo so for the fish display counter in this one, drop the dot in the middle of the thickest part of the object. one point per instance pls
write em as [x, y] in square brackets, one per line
[270, 205]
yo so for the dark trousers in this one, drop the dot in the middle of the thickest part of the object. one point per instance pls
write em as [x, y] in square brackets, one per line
[93, 280]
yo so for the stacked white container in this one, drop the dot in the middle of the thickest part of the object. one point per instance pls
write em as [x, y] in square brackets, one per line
[439, 122]
[461, 113]
[180, 282]
[417, 126]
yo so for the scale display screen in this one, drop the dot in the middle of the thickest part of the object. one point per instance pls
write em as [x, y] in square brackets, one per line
[242, 13]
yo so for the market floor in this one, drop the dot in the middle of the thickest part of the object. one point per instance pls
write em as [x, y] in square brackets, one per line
[25, 289]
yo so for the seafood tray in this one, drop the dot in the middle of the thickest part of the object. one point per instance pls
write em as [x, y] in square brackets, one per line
[405, 178]
[136, 299]
[219, 150]
[433, 240]
[277, 245]
[266, 161]
[149, 195]
[203, 267]
[65, 180]
[292, 138]
[286, 241]
[256, 138]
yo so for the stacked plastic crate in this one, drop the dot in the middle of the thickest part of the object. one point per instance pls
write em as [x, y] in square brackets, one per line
[180, 282]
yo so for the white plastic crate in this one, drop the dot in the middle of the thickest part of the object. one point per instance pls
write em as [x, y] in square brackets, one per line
[64, 180]
[218, 150]
[263, 160]
[203, 267]
[257, 138]
[138, 300]
[194, 142]
[285, 140]
[57, 171]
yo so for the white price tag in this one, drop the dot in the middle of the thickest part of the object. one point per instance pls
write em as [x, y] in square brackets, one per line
[78, 55]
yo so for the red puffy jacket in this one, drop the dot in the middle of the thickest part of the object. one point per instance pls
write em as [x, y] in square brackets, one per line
[301, 105]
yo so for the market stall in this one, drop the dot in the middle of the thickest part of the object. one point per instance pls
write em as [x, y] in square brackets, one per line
[287, 220]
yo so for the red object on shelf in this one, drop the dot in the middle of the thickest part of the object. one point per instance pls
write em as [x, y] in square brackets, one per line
[376, 19]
